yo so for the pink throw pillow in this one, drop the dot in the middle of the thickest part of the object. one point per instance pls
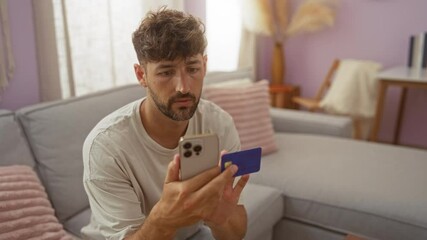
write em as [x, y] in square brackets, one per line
[25, 211]
[249, 106]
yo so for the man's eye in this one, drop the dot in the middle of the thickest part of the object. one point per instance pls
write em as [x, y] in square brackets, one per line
[193, 70]
[165, 73]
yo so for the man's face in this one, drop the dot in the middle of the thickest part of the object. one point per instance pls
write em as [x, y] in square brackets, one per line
[175, 86]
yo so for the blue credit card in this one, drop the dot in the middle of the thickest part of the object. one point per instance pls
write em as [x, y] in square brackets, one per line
[248, 161]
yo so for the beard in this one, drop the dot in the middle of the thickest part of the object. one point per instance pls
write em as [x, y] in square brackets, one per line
[182, 113]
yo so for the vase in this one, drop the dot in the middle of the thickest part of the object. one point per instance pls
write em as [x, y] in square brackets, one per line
[278, 64]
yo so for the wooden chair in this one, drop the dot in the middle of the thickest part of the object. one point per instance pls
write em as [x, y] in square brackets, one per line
[313, 104]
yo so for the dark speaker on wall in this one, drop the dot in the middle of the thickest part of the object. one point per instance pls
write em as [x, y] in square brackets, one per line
[417, 52]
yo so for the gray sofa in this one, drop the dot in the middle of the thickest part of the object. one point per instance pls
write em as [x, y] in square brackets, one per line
[319, 185]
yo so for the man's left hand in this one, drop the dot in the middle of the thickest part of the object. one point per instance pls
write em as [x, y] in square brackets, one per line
[228, 214]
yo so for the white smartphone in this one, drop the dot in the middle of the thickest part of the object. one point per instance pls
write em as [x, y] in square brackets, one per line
[198, 153]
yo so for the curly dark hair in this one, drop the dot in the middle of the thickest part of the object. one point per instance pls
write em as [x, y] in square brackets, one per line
[167, 35]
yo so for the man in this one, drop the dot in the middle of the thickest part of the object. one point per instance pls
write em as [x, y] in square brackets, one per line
[131, 165]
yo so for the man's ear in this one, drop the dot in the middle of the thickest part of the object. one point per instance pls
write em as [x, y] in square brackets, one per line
[140, 74]
[205, 62]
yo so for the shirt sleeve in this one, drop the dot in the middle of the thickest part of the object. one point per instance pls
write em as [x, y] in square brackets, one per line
[116, 209]
[231, 140]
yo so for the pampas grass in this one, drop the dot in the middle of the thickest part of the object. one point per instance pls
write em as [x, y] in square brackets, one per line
[311, 16]
[260, 17]
[256, 16]
[270, 17]
[280, 16]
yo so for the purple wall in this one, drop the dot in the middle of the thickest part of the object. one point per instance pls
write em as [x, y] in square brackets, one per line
[23, 89]
[364, 29]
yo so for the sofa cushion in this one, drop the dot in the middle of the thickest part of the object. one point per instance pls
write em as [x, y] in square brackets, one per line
[370, 189]
[14, 148]
[224, 76]
[25, 211]
[289, 229]
[77, 222]
[249, 106]
[56, 132]
[294, 121]
[264, 206]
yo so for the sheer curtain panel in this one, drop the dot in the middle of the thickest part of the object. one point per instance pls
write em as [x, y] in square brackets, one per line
[7, 64]
[86, 46]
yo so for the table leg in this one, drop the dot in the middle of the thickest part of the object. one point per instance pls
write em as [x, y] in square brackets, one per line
[379, 111]
[402, 103]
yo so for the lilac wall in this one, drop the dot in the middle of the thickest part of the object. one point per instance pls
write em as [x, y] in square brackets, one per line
[23, 89]
[364, 29]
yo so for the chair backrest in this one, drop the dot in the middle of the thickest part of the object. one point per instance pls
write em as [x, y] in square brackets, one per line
[327, 81]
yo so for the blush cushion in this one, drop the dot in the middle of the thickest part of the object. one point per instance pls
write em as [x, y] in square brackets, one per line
[249, 107]
[25, 211]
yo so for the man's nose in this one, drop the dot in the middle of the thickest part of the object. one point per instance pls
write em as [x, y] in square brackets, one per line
[182, 82]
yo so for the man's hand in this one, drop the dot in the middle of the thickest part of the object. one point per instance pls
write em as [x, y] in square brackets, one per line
[183, 203]
[229, 199]
[187, 202]
[229, 221]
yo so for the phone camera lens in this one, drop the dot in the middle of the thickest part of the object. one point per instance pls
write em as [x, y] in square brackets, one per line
[187, 154]
[187, 145]
[197, 148]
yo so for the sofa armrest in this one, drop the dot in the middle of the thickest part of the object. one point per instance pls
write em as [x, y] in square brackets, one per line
[285, 120]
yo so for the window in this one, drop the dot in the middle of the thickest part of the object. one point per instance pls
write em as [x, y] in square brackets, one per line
[96, 45]
[86, 46]
[223, 30]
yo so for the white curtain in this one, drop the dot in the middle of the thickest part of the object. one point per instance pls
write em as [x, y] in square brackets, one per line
[89, 45]
[223, 27]
[230, 45]
[248, 40]
[7, 64]
[247, 52]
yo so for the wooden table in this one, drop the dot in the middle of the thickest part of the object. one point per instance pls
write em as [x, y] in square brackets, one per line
[281, 95]
[405, 78]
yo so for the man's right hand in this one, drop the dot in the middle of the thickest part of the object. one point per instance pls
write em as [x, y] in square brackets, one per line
[186, 202]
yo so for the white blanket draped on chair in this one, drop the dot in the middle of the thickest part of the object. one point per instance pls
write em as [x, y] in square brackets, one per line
[353, 91]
